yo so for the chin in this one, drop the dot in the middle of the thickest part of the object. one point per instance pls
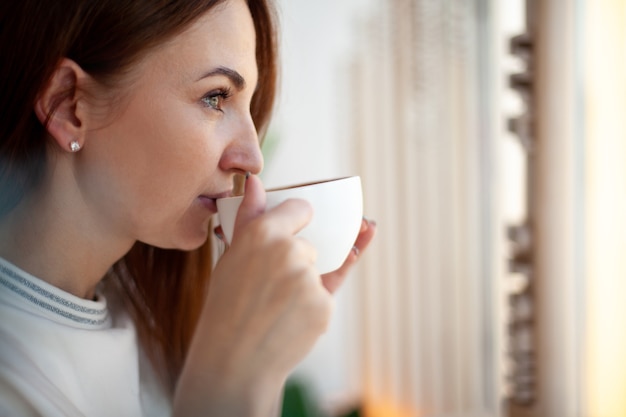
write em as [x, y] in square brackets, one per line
[193, 239]
[185, 237]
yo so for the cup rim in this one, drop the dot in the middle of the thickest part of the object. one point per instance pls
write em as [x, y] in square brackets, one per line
[309, 183]
[298, 185]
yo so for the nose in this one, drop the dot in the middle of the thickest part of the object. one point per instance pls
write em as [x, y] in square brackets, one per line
[243, 152]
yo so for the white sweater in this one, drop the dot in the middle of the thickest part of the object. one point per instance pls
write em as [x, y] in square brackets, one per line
[61, 355]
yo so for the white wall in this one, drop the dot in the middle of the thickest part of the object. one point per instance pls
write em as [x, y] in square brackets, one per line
[315, 39]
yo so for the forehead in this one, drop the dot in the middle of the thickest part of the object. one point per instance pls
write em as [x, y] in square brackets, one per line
[222, 37]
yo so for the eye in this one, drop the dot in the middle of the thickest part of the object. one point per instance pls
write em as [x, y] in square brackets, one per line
[215, 99]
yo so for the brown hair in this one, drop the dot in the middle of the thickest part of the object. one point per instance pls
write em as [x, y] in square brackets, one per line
[164, 288]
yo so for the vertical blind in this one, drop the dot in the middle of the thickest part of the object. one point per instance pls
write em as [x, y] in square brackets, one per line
[424, 130]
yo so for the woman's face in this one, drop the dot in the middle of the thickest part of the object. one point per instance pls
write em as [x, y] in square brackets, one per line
[179, 134]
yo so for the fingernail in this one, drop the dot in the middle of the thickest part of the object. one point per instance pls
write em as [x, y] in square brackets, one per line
[369, 221]
[248, 174]
[219, 233]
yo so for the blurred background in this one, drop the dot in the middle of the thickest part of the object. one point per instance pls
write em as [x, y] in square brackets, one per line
[489, 136]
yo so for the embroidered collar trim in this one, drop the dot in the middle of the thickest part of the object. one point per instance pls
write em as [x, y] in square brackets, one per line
[43, 298]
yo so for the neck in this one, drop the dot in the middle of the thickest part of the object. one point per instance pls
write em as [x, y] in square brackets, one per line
[60, 243]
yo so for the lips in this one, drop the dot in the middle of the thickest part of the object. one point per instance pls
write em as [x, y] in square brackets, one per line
[209, 201]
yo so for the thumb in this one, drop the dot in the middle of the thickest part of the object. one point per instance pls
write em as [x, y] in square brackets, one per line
[253, 203]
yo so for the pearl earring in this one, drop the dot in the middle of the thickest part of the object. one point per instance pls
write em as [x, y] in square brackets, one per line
[74, 146]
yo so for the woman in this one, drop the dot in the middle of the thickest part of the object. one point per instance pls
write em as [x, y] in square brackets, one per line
[122, 121]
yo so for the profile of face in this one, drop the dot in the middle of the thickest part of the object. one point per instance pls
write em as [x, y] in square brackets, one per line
[179, 130]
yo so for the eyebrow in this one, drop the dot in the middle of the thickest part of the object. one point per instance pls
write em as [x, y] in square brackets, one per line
[231, 74]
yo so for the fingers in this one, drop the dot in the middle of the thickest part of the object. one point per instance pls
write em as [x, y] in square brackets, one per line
[366, 234]
[253, 203]
[289, 217]
[333, 280]
[286, 220]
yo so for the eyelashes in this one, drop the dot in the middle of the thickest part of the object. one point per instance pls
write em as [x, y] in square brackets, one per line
[215, 99]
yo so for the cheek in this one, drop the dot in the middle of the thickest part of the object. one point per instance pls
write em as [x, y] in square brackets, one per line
[166, 142]
[173, 167]
[151, 164]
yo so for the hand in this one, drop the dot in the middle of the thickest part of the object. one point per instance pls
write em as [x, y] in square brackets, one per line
[265, 308]
[334, 279]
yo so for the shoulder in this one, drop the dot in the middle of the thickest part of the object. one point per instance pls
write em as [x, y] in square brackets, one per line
[13, 402]
[21, 398]
[24, 389]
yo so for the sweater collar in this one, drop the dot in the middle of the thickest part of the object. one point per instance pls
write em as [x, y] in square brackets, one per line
[30, 293]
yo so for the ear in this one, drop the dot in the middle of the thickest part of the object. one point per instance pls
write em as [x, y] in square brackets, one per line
[60, 105]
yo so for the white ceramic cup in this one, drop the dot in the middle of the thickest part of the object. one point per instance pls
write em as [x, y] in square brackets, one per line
[337, 215]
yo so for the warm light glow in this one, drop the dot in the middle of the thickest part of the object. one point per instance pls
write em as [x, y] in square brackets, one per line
[605, 85]
[387, 409]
